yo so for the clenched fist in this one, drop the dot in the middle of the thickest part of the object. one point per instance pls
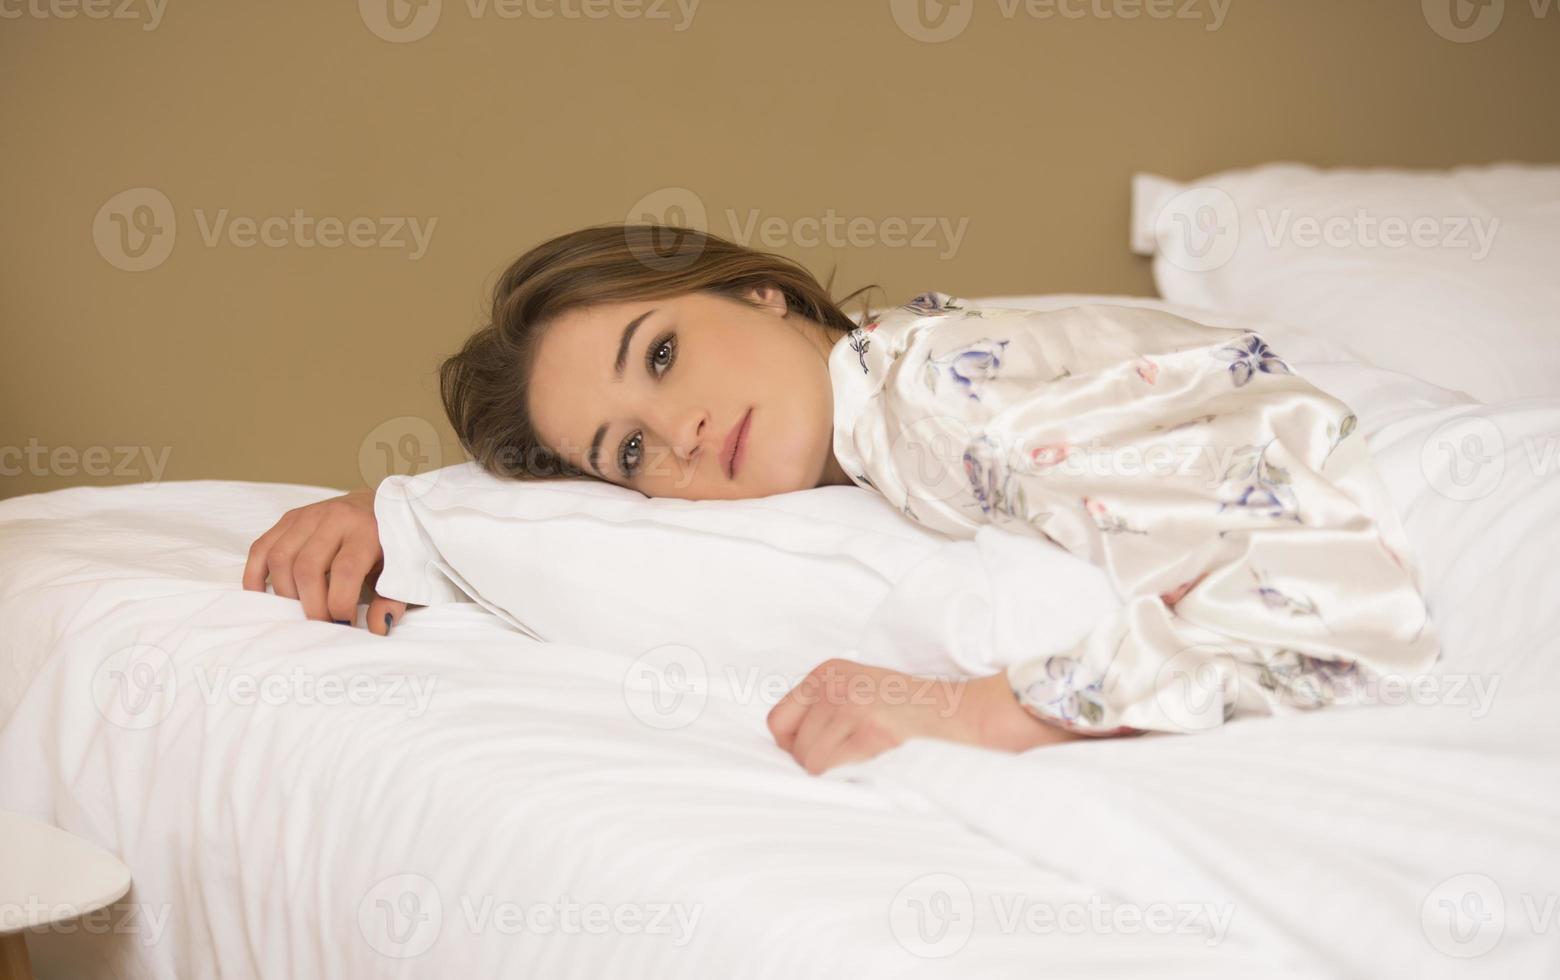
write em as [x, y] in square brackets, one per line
[323, 555]
[845, 711]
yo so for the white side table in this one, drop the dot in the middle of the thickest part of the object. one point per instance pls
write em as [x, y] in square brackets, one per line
[48, 876]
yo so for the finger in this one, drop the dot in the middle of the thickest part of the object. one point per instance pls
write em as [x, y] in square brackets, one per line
[383, 614]
[823, 749]
[347, 574]
[814, 724]
[371, 582]
[788, 712]
[308, 572]
[254, 565]
[279, 560]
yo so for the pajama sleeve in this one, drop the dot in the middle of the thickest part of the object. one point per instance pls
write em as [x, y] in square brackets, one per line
[1232, 503]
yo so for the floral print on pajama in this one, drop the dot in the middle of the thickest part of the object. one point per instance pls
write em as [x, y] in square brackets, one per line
[1236, 511]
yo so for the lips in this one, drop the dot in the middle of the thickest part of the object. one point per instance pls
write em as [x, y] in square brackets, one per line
[728, 451]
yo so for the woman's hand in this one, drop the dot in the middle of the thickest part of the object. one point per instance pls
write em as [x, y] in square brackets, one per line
[322, 554]
[846, 712]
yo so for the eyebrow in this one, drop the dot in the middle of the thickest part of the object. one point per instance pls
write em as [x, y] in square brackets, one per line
[617, 375]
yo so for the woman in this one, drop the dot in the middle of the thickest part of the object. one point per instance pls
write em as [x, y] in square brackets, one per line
[1229, 500]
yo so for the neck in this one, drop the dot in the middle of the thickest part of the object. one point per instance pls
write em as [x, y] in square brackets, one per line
[823, 340]
[834, 474]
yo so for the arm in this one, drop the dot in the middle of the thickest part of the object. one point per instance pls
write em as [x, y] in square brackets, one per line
[1228, 498]
[1230, 502]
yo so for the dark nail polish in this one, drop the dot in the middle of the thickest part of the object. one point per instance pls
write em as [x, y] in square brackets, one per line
[387, 624]
[341, 622]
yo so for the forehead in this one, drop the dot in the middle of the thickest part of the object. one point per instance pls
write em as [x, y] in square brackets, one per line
[577, 338]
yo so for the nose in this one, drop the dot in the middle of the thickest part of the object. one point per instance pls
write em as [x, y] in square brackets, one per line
[686, 431]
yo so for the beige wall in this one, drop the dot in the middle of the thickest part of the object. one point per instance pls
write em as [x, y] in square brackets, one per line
[297, 364]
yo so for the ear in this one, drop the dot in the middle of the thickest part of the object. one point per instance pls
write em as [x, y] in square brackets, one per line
[769, 296]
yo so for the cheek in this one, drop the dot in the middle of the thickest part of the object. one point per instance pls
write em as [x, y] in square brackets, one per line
[806, 403]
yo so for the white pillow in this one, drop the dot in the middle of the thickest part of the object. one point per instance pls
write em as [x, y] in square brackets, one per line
[788, 580]
[1447, 275]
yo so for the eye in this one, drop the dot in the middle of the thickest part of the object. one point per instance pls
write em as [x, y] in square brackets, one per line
[661, 354]
[632, 448]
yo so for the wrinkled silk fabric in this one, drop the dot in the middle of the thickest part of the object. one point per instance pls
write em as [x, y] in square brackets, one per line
[1259, 561]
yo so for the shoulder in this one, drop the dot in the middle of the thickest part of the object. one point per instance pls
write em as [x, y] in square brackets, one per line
[874, 345]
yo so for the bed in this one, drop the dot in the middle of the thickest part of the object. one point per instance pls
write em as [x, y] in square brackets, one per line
[297, 798]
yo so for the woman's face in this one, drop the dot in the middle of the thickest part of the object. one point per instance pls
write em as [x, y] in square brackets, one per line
[651, 395]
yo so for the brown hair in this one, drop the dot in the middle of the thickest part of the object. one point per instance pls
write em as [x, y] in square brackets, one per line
[484, 385]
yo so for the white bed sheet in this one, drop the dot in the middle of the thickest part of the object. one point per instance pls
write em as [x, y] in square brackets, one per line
[263, 836]
[305, 839]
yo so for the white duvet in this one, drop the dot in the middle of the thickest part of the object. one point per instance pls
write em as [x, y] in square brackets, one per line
[298, 799]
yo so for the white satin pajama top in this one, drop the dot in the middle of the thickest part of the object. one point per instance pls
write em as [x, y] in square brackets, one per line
[1260, 566]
